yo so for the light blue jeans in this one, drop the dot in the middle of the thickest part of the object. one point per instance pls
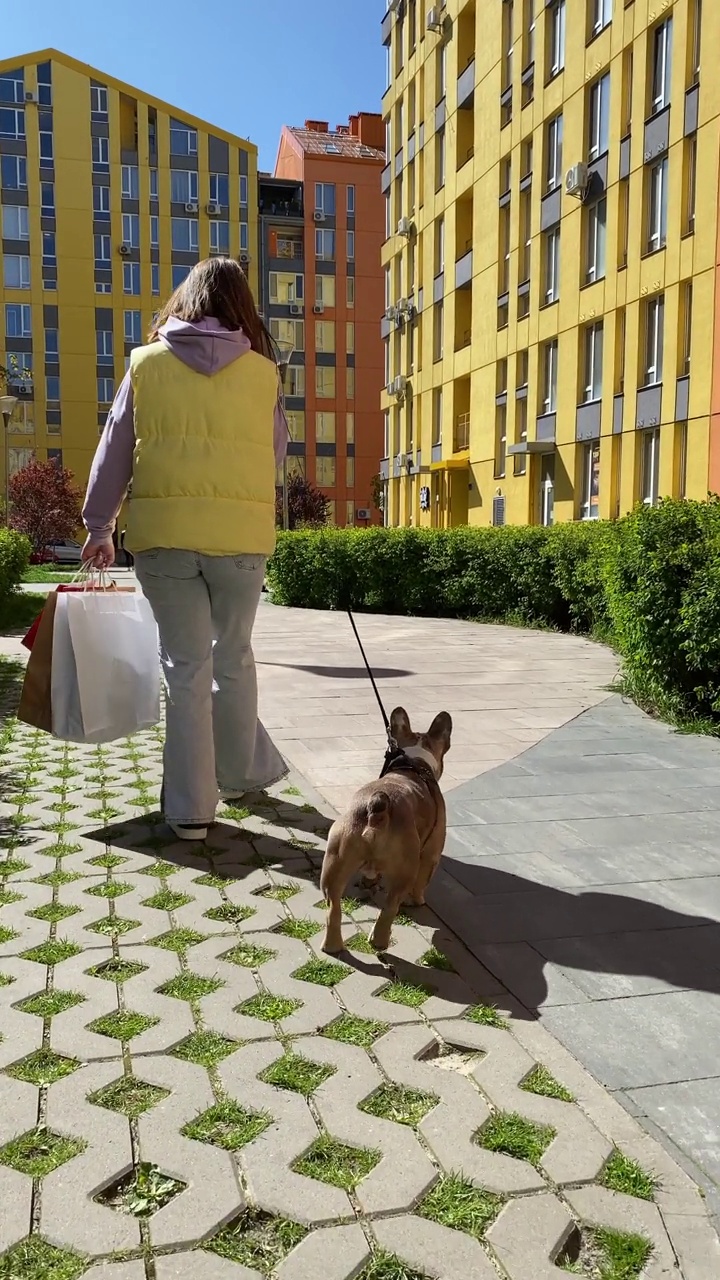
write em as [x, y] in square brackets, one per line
[205, 608]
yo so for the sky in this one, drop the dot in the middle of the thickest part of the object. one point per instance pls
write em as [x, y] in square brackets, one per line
[248, 66]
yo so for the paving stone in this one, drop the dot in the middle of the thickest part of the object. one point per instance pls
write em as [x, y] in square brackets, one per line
[16, 1193]
[599, 1207]
[201, 1266]
[22, 1034]
[528, 1236]
[336, 1253]
[117, 1271]
[435, 1250]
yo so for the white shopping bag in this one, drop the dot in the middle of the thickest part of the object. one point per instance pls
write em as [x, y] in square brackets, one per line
[65, 698]
[114, 646]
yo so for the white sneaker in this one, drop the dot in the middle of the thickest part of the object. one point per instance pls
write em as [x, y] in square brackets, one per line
[231, 797]
[186, 831]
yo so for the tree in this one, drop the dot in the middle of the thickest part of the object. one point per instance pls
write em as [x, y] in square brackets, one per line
[377, 489]
[306, 504]
[44, 505]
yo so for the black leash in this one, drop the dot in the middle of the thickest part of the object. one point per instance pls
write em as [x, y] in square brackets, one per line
[393, 752]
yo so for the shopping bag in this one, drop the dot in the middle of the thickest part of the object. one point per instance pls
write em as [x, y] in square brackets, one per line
[66, 719]
[28, 640]
[115, 646]
[35, 701]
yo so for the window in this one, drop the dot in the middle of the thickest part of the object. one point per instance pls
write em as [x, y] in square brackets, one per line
[623, 221]
[133, 326]
[590, 481]
[184, 234]
[696, 41]
[101, 204]
[154, 231]
[296, 423]
[104, 346]
[12, 123]
[131, 230]
[350, 383]
[525, 236]
[153, 184]
[295, 380]
[183, 186]
[17, 271]
[49, 250]
[690, 184]
[243, 189]
[291, 331]
[179, 274]
[350, 337]
[550, 376]
[130, 182]
[507, 45]
[650, 467]
[685, 345]
[350, 428]
[599, 117]
[529, 29]
[661, 65]
[554, 153]
[440, 158]
[438, 328]
[547, 489]
[441, 85]
[155, 278]
[552, 264]
[350, 204]
[52, 389]
[521, 435]
[325, 198]
[220, 189]
[103, 286]
[15, 222]
[657, 206]
[46, 139]
[22, 421]
[219, 237]
[597, 227]
[325, 335]
[593, 362]
[601, 15]
[13, 173]
[350, 291]
[325, 472]
[350, 246]
[654, 339]
[12, 86]
[183, 139]
[325, 428]
[556, 38]
[500, 440]
[286, 287]
[98, 99]
[18, 322]
[105, 390]
[437, 417]
[102, 251]
[681, 450]
[325, 245]
[439, 247]
[131, 277]
[21, 363]
[244, 235]
[504, 254]
[325, 291]
[101, 155]
[19, 458]
[325, 382]
[47, 199]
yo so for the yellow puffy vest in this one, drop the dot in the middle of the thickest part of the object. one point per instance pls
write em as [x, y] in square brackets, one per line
[204, 464]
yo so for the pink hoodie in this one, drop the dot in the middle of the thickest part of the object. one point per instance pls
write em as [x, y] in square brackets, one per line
[206, 347]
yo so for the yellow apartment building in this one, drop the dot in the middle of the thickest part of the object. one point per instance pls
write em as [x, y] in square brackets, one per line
[551, 258]
[107, 197]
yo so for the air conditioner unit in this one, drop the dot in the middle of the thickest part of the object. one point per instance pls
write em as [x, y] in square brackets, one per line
[362, 513]
[434, 20]
[399, 386]
[319, 216]
[295, 309]
[410, 309]
[212, 209]
[319, 308]
[394, 5]
[576, 180]
[405, 227]
[390, 388]
[190, 207]
[391, 313]
[124, 250]
[401, 307]
[31, 97]
[244, 259]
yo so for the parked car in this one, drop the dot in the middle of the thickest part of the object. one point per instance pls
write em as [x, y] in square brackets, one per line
[65, 551]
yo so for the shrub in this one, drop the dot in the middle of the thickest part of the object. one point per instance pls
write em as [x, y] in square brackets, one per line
[649, 584]
[14, 558]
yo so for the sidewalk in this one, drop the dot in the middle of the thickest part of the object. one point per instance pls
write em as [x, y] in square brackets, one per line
[189, 1088]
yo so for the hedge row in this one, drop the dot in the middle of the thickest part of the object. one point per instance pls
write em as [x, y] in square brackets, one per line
[649, 584]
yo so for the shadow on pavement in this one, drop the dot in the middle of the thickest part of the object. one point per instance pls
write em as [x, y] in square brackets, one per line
[344, 673]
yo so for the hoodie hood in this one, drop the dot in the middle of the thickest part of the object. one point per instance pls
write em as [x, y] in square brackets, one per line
[204, 345]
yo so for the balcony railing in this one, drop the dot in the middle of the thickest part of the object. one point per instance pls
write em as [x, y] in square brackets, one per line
[461, 437]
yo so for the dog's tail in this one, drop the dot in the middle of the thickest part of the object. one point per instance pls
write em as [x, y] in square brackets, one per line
[378, 814]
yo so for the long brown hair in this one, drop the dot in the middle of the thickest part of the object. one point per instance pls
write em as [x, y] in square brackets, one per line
[217, 287]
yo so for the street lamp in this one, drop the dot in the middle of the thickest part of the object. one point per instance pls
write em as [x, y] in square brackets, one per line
[7, 408]
[285, 350]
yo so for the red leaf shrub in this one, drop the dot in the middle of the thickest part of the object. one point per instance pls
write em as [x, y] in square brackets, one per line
[44, 505]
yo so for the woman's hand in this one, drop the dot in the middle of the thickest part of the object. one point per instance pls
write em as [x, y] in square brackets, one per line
[98, 552]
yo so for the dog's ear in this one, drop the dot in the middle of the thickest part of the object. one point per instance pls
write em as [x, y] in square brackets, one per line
[441, 729]
[400, 725]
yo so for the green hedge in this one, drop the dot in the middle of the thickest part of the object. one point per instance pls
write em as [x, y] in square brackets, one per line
[649, 584]
[14, 559]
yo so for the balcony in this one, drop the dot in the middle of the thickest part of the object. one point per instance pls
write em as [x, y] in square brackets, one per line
[461, 435]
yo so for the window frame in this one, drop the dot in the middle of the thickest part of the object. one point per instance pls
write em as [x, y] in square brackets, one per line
[596, 241]
[552, 265]
[594, 343]
[660, 90]
[554, 153]
[599, 117]
[550, 376]
[654, 340]
[557, 35]
[590, 481]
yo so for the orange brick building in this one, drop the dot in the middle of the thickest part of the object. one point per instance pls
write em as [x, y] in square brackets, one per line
[322, 224]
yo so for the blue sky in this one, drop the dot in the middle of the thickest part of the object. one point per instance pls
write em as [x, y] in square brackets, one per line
[249, 66]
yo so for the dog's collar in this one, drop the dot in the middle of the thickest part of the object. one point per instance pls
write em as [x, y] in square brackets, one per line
[397, 761]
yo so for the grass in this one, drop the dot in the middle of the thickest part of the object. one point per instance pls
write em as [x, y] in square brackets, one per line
[123, 1025]
[37, 1259]
[45, 573]
[292, 791]
[387, 1266]
[249, 956]
[42, 1067]
[142, 1192]
[117, 970]
[297, 1074]
[486, 1015]
[328, 1160]
[604, 1254]
[130, 1096]
[257, 1240]
[19, 611]
[46, 1004]
[53, 912]
[227, 1125]
[54, 951]
[39, 1151]
[457, 1203]
[541, 1081]
[205, 1048]
[279, 892]
[229, 913]
[159, 869]
[7, 896]
[396, 1102]
[166, 900]
[6, 979]
[114, 926]
[57, 878]
[351, 1030]
[13, 867]
[406, 993]
[178, 940]
[7, 934]
[626, 1175]
[435, 959]
[324, 973]
[109, 860]
[212, 881]
[513, 1135]
[360, 942]
[303, 929]
[190, 986]
[268, 1007]
[110, 889]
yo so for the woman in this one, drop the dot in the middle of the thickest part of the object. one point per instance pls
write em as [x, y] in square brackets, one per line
[198, 426]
